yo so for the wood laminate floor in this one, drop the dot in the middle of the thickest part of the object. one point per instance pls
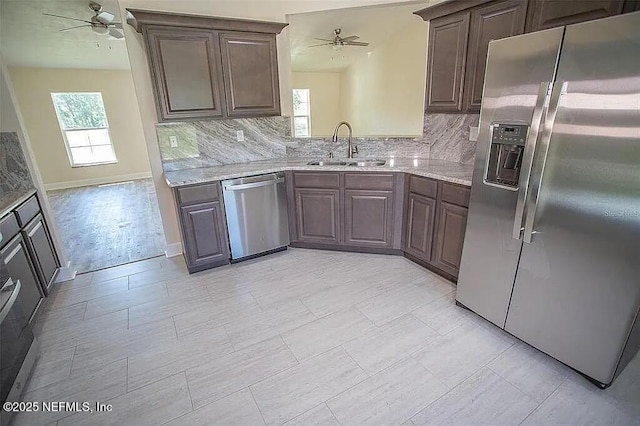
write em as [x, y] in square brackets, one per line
[300, 337]
[105, 226]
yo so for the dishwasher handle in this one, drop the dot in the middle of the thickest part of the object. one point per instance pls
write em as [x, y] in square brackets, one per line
[253, 184]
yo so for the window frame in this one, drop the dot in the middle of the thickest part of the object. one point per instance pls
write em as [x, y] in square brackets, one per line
[64, 131]
[307, 115]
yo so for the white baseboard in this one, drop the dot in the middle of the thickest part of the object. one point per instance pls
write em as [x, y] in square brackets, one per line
[65, 273]
[173, 250]
[96, 181]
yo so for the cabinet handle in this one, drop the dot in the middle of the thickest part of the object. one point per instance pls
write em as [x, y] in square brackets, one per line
[9, 304]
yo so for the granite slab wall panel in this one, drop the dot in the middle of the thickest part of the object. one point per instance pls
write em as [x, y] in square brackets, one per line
[445, 137]
[14, 173]
[214, 142]
[448, 136]
[200, 144]
[367, 147]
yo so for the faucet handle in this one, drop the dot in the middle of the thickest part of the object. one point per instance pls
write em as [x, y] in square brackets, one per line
[355, 149]
[330, 154]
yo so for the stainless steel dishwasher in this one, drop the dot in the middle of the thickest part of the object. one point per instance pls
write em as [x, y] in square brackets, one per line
[256, 210]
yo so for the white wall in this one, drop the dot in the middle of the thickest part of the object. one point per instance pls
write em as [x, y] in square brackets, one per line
[324, 94]
[33, 88]
[383, 94]
[244, 9]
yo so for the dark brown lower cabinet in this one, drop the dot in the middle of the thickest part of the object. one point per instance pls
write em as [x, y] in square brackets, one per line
[451, 226]
[204, 235]
[20, 267]
[40, 245]
[421, 214]
[368, 218]
[317, 213]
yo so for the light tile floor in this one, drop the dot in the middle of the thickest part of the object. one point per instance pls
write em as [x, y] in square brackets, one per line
[302, 337]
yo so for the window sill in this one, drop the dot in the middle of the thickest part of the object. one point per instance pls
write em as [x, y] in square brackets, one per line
[102, 163]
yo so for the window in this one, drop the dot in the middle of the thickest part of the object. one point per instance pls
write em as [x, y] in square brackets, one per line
[85, 128]
[301, 113]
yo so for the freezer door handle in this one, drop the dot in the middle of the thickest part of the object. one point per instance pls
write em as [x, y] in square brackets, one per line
[253, 184]
[527, 161]
[531, 206]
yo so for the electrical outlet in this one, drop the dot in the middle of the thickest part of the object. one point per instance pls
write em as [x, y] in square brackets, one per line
[173, 141]
[240, 136]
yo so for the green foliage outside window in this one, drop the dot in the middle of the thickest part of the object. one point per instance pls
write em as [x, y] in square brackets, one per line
[80, 110]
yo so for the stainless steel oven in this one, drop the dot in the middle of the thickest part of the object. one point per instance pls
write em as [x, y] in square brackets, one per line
[18, 345]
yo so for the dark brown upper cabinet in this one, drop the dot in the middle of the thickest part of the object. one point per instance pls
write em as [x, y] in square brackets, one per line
[446, 62]
[250, 67]
[545, 14]
[488, 22]
[187, 73]
[460, 32]
[206, 67]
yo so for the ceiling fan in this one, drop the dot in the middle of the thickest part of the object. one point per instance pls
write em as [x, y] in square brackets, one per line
[338, 42]
[101, 22]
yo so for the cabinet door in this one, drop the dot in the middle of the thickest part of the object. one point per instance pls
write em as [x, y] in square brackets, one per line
[250, 67]
[421, 213]
[186, 71]
[20, 267]
[545, 14]
[42, 251]
[452, 222]
[205, 237]
[318, 215]
[446, 62]
[491, 22]
[368, 218]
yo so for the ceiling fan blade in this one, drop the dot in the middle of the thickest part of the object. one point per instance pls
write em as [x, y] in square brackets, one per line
[323, 44]
[67, 17]
[350, 38]
[355, 43]
[105, 17]
[115, 33]
[73, 28]
[322, 39]
[117, 25]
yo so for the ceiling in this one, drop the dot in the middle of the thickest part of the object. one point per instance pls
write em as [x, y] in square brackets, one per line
[373, 24]
[29, 39]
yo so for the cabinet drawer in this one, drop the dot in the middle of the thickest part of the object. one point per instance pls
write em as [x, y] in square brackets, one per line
[9, 228]
[455, 194]
[198, 194]
[28, 210]
[423, 186]
[317, 180]
[369, 181]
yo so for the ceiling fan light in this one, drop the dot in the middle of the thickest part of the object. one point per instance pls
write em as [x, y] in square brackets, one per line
[99, 29]
[337, 47]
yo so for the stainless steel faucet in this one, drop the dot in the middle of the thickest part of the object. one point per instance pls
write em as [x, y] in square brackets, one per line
[353, 149]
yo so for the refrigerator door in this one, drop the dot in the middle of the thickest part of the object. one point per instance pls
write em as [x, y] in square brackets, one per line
[514, 93]
[577, 289]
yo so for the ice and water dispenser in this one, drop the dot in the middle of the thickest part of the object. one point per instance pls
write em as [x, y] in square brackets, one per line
[505, 154]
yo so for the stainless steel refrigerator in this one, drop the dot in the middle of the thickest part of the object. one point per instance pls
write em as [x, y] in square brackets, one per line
[552, 247]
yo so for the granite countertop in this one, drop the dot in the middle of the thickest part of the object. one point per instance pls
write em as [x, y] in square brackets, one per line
[11, 199]
[437, 169]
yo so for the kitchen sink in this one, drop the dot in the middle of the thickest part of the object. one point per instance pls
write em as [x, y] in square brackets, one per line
[355, 163]
[368, 163]
[329, 163]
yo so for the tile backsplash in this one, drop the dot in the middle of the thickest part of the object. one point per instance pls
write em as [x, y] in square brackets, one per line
[215, 142]
[14, 173]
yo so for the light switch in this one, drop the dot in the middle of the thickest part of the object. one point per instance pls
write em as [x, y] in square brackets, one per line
[173, 141]
[240, 136]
